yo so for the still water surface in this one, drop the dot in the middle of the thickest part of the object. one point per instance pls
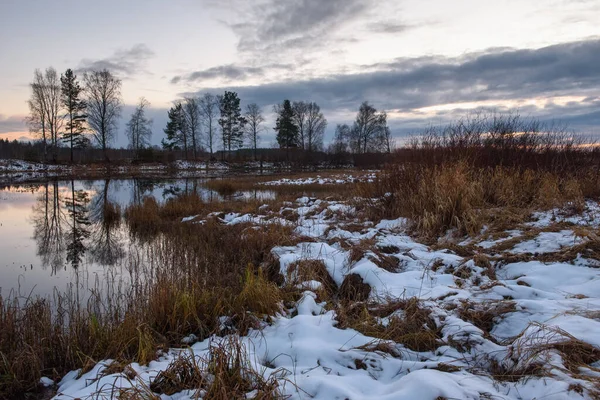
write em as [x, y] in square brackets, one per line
[57, 235]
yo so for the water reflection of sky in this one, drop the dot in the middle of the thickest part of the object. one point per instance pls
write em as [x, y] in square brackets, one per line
[41, 225]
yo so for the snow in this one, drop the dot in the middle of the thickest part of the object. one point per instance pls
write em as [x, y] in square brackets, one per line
[548, 242]
[590, 216]
[337, 179]
[314, 358]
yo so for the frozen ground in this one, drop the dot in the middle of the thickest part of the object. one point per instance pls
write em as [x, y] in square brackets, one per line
[509, 326]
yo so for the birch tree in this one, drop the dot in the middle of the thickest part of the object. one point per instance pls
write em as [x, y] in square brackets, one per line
[209, 108]
[254, 120]
[139, 127]
[368, 129]
[300, 111]
[45, 115]
[103, 92]
[36, 120]
[192, 116]
[315, 126]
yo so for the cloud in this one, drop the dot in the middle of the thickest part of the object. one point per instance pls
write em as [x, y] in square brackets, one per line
[388, 27]
[12, 123]
[407, 84]
[496, 77]
[230, 72]
[269, 29]
[124, 62]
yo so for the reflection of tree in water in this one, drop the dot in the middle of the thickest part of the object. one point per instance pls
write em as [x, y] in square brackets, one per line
[48, 226]
[78, 225]
[106, 245]
[190, 186]
[179, 188]
[60, 225]
[67, 224]
[140, 188]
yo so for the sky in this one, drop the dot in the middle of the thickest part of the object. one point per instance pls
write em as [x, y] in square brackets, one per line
[425, 62]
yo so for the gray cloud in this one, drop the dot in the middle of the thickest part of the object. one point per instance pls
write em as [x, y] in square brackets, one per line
[406, 84]
[124, 62]
[230, 72]
[568, 69]
[271, 28]
[388, 26]
[12, 123]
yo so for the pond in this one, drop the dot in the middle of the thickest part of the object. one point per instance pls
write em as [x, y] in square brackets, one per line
[59, 235]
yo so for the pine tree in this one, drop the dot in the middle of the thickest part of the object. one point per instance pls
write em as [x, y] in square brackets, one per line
[287, 130]
[232, 122]
[175, 130]
[75, 106]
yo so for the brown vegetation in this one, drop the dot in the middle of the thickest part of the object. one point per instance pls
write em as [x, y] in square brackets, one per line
[410, 323]
[225, 374]
[184, 283]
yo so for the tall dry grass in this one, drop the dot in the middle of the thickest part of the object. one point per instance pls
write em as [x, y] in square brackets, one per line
[485, 169]
[459, 196]
[183, 279]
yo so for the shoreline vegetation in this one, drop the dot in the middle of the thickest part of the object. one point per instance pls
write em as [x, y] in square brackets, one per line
[467, 267]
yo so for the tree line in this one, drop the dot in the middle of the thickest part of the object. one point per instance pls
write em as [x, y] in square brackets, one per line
[193, 122]
[79, 114]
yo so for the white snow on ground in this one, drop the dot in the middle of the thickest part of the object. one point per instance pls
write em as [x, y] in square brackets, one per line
[21, 166]
[548, 242]
[589, 217]
[319, 180]
[191, 165]
[313, 358]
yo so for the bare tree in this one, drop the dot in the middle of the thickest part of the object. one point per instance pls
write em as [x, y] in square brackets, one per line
[254, 120]
[192, 117]
[315, 128]
[386, 137]
[300, 110]
[37, 110]
[209, 109]
[103, 91]
[54, 118]
[139, 127]
[45, 108]
[368, 129]
[340, 139]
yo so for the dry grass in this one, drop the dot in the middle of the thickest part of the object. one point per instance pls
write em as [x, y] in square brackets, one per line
[185, 283]
[354, 289]
[410, 324]
[458, 196]
[529, 356]
[312, 270]
[184, 373]
[368, 248]
[485, 315]
[226, 373]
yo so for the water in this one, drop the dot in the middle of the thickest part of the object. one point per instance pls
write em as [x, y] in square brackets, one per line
[58, 235]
